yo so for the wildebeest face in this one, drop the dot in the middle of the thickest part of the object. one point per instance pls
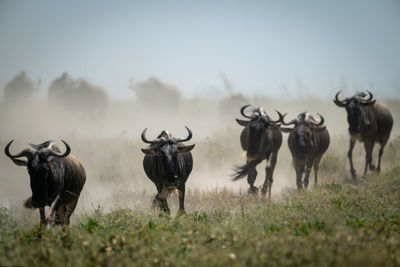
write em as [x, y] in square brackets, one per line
[353, 115]
[168, 152]
[39, 169]
[303, 137]
[256, 130]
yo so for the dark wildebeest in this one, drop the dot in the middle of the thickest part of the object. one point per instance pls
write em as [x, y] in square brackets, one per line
[369, 122]
[308, 140]
[168, 163]
[260, 139]
[56, 180]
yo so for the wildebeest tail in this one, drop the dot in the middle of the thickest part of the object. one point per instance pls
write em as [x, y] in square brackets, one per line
[239, 172]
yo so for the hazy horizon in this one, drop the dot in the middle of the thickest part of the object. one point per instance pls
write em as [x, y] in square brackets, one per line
[271, 48]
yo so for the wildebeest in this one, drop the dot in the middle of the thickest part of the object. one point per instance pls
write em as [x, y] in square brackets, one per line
[260, 139]
[369, 122]
[308, 140]
[56, 180]
[168, 163]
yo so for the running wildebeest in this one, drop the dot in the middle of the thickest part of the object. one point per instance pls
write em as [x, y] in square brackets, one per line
[168, 163]
[369, 122]
[56, 180]
[260, 139]
[308, 140]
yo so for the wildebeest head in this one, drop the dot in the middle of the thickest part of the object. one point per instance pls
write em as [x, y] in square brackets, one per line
[304, 127]
[38, 160]
[167, 147]
[259, 122]
[355, 107]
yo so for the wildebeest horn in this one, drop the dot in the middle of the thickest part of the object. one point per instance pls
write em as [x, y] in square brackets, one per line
[294, 121]
[187, 138]
[24, 153]
[269, 120]
[242, 112]
[49, 152]
[369, 99]
[340, 103]
[321, 121]
[147, 141]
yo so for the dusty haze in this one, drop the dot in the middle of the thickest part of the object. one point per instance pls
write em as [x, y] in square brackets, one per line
[108, 145]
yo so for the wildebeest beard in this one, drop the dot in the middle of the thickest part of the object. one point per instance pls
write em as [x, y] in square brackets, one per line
[256, 131]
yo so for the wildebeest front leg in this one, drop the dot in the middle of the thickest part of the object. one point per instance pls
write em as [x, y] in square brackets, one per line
[269, 170]
[181, 189]
[299, 173]
[350, 156]
[42, 215]
[369, 146]
[54, 206]
[307, 173]
[251, 177]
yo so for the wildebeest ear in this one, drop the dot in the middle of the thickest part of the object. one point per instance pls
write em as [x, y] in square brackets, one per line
[20, 162]
[243, 123]
[150, 151]
[318, 129]
[286, 130]
[185, 149]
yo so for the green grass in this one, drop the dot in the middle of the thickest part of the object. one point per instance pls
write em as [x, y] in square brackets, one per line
[330, 225]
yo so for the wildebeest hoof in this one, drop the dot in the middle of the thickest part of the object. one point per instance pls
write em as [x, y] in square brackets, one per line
[253, 190]
[372, 167]
[181, 212]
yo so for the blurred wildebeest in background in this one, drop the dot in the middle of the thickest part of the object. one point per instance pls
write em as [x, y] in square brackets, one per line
[154, 94]
[308, 140]
[260, 139]
[369, 122]
[168, 163]
[56, 180]
[78, 95]
[20, 89]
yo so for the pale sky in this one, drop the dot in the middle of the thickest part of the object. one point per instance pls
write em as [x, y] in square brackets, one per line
[261, 46]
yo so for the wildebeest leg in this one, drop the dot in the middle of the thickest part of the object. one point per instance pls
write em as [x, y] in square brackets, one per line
[42, 216]
[69, 209]
[164, 206]
[316, 167]
[181, 189]
[307, 173]
[269, 170]
[378, 169]
[60, 215]
[54, 206]
[251, 177]
[350, 155]
[369, 146]
[299, 173]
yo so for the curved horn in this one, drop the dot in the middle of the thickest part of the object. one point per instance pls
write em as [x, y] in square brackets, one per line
[294, 121]
[24, 153]
[187, 138]
[242, 112]
[320, 123]
[269, 120]
[369, 99]
[340, 103]
[144, 139]
[49, 152]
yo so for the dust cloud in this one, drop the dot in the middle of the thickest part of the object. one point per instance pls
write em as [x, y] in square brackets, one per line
[108, 144]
